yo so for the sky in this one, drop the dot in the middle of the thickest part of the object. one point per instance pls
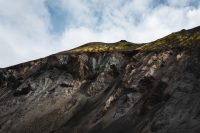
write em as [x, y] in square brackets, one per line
[31, 29]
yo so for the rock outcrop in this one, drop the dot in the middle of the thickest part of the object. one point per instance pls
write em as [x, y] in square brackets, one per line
[107, 88]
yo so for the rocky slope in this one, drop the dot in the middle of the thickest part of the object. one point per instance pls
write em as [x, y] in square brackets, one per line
[107, 88]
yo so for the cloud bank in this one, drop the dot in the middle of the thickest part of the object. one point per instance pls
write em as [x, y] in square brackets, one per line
[30, 29]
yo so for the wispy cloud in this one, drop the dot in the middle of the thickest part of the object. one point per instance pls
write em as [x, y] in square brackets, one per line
[31, 29]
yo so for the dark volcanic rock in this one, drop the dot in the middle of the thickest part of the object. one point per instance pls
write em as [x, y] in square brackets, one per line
[149, 88]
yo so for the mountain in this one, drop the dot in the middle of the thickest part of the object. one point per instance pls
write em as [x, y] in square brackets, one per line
[119, 87]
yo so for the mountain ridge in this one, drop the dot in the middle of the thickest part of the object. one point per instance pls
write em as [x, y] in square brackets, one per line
[98, 87]
[130, 44]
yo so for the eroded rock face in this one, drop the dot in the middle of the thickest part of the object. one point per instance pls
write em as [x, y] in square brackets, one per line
[107, 92]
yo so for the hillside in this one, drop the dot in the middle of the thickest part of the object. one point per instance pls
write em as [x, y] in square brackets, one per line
[119, 87]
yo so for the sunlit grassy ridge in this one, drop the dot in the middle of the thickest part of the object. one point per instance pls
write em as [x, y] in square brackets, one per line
[104, 47]
[180, 39]
[183, 38]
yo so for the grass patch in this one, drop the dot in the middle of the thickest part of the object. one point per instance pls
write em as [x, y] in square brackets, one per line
[180, 39]
[106, 47]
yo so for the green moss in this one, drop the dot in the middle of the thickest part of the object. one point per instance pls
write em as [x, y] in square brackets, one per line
[179, 39]
[105, 47]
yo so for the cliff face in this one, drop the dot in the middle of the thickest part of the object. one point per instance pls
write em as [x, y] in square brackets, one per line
[98, 88]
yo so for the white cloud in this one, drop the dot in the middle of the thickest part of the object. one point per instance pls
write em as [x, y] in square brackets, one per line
[24, 31]
[25, 24]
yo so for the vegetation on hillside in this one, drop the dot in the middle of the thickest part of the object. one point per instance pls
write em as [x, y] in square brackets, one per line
[106, 47]
[182, 39]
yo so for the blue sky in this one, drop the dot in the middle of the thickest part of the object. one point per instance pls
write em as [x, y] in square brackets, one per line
[31, 29]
